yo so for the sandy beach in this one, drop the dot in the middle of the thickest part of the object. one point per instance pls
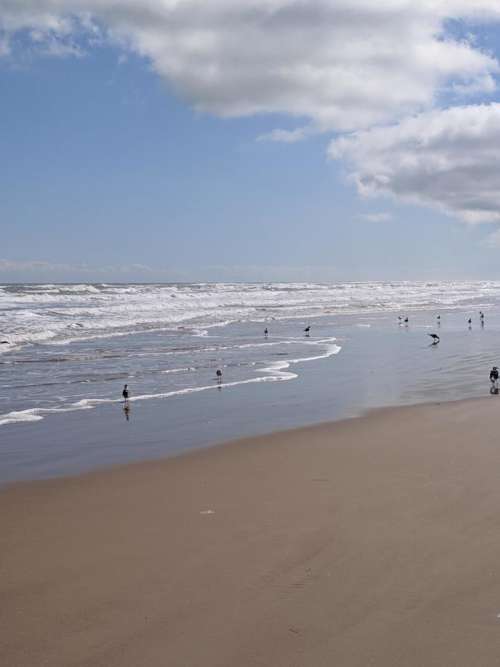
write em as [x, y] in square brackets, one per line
[250, 333]
[371, 541]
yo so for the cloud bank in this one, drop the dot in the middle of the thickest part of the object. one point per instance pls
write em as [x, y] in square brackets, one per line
[444, 158]
[334, 65]
[9, 266]
[338, 64]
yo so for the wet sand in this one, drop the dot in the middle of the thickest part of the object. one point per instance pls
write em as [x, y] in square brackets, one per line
[373, 541]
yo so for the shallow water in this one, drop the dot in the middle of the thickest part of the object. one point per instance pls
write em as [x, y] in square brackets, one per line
[60, 384]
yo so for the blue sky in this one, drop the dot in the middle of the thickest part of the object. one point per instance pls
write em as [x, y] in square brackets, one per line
[114, 169]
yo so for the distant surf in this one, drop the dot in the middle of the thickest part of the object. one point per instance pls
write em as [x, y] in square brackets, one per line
[71, 347]
[61, 314]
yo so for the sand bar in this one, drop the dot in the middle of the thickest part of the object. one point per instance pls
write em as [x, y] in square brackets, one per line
[373, 541]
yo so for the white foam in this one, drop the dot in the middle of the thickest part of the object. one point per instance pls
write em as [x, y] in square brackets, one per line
[59, 314]
[178, 370]
[20, 416]
[276, 371]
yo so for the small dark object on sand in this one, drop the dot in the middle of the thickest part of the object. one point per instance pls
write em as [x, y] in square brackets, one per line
[435, 338]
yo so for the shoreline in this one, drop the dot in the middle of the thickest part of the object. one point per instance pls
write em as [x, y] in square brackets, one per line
[380, 364]
[243, 440]
[371, 540]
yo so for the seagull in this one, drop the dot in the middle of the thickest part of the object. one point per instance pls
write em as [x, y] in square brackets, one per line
[307, 330]
[435, 338]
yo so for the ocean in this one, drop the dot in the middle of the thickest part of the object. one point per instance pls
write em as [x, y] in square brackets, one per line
[66, 351]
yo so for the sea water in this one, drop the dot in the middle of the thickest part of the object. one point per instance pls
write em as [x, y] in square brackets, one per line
[67, 350]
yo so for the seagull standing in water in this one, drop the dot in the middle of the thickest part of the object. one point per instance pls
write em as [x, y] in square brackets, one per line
[435, 338]
[307, 330]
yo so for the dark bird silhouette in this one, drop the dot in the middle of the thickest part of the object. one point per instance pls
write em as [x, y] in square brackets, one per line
[435, 338]
[307, 330]
[406, 320]
[266, 332]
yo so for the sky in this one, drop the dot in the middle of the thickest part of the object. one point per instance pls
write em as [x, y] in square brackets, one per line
[259, 140]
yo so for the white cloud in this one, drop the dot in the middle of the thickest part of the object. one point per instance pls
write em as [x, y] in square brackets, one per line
[12, 266]
[31, 270]
[289, 136]
[340, 64]
[447, 159]
[375, 217]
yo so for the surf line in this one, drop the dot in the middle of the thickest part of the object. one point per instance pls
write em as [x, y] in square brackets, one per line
[277, 371]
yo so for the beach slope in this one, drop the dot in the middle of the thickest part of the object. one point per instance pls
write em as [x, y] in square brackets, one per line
[373, 541]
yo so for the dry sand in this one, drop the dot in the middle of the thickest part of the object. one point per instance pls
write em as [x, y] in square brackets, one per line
[368, 542]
